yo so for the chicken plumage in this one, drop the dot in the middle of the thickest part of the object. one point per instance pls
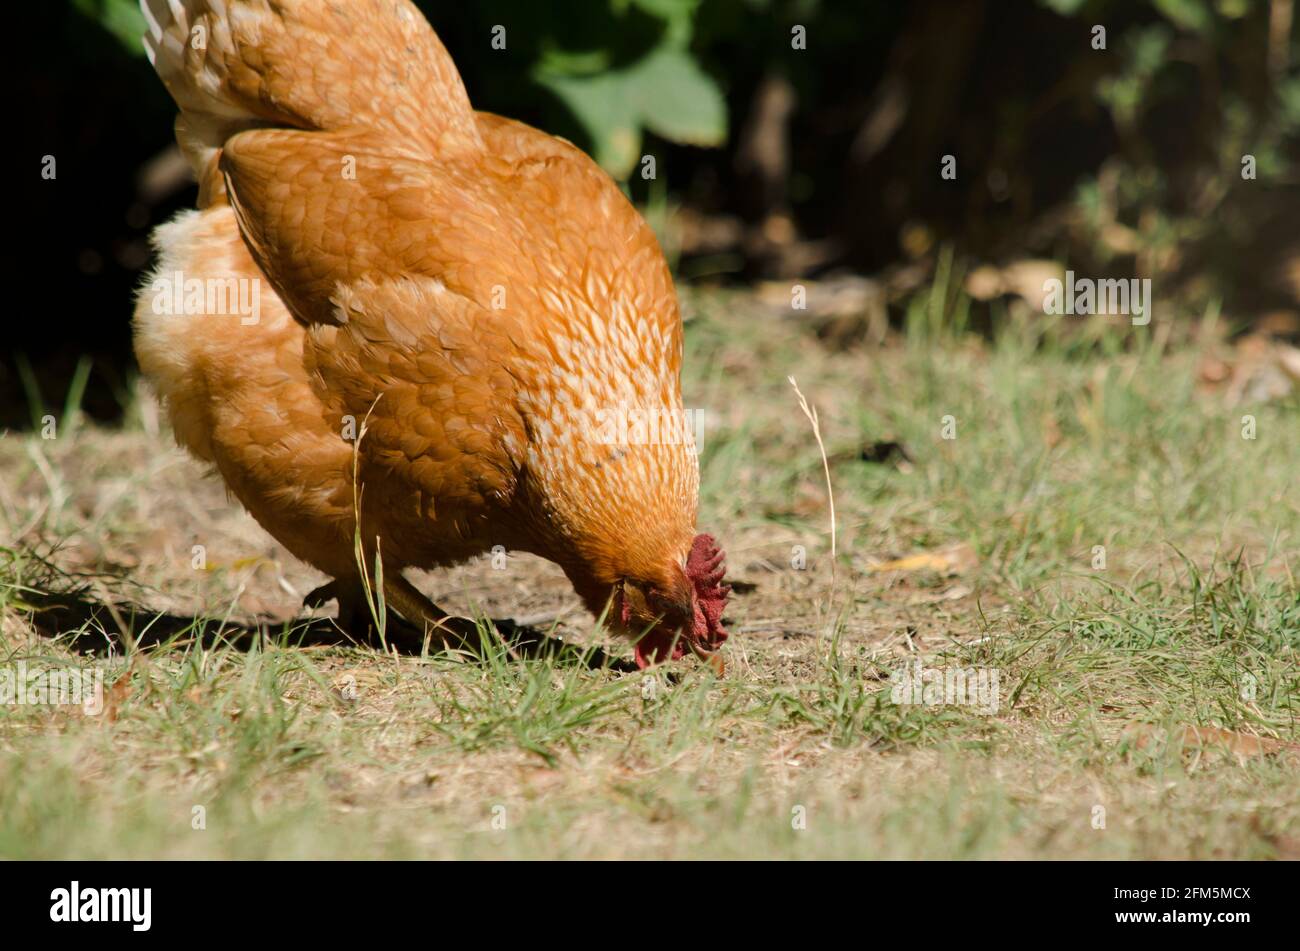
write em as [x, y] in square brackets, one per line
[455, 299]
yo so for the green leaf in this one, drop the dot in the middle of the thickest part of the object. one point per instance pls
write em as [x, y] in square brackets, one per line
[601, 104]
[679, 15]
[679, 101]
[1187, 14]
[666, 92]
[1288, 97]
[1063, 7]
[122, 18]
[668, 9]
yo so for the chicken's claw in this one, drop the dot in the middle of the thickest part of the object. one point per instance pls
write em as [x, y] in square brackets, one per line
[319, 597]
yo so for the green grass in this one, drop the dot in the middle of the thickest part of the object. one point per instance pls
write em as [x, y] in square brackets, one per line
[1061, 446]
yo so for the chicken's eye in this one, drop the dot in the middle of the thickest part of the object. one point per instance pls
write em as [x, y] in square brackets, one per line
[662, 605]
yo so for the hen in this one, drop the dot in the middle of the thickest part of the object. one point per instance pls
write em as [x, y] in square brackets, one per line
[457, 304]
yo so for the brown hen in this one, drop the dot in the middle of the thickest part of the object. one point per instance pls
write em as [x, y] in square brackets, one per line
[458, 306]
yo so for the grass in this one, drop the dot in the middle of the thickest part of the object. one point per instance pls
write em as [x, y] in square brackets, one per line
[264, 745]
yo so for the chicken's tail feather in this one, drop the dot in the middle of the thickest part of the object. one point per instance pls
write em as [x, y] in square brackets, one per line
[233, 65]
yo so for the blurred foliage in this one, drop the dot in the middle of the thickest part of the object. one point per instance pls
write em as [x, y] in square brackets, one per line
[1203, 100]
[627, 68]
[664, 90]
[122, 18]
[605, 72]
[1128, 158]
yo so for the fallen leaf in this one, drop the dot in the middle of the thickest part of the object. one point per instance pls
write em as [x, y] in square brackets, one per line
[955, 559]
[1287, 848]
[1256, 369]
[1212, 370]
[117, 694]
[1024, 279]
[1243, 746]
[1051, 430]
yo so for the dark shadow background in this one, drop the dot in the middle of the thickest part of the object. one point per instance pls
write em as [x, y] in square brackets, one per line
[1126, 159]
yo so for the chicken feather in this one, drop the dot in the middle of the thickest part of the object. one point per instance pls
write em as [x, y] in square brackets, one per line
[474, 290]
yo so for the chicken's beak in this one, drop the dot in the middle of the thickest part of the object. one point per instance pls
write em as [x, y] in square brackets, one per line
[661, 644]
[658, 647]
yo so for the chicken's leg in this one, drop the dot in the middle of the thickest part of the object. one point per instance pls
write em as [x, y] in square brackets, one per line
[354, 613]
[444, 631]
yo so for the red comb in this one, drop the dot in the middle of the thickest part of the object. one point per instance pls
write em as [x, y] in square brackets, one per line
[706, 566]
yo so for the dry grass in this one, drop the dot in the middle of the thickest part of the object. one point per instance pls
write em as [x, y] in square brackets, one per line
[339, 750]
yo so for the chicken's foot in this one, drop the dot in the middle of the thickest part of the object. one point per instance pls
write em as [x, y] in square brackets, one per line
[443, 631]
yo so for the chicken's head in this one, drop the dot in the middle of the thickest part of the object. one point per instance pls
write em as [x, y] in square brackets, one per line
[684, 612]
